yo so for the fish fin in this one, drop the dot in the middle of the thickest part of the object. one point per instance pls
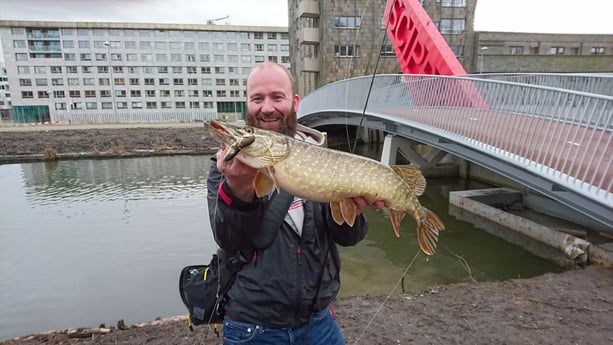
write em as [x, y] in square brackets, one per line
[263, 184]
[271, 173]
[412, 176]
[396, 218]
[349, 211]
[427, 232]
[337, 215]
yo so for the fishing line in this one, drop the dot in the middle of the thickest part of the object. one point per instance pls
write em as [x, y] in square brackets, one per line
[374, 73]
[357, 340]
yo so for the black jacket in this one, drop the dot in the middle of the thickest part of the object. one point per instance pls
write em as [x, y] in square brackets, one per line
[276, 288]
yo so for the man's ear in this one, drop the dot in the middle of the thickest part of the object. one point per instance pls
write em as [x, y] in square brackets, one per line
[296, 102]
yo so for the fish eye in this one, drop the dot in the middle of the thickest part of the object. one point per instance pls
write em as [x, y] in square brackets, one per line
[249, 130]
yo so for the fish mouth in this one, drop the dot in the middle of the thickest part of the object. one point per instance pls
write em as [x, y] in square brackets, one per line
[235, 139]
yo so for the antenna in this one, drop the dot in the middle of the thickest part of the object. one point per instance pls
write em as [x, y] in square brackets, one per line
[212, 21]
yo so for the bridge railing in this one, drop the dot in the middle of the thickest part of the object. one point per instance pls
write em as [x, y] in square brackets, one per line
[598, 83]
[564, 136]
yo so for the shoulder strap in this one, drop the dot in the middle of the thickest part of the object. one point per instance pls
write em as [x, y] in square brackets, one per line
[272, 219]
[271, 222]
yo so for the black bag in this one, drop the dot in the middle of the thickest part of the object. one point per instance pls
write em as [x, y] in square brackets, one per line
[203, 288]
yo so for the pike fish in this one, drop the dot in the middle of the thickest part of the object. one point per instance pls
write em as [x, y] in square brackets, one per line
[324, 175]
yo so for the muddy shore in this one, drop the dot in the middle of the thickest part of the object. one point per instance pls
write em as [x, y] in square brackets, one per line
[573, 307]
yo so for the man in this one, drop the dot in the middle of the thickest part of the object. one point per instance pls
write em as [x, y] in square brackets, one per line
[283, 294]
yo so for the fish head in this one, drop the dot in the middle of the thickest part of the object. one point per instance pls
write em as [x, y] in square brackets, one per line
[255, 147]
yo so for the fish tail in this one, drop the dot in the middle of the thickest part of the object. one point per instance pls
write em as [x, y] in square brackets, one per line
[428, 230]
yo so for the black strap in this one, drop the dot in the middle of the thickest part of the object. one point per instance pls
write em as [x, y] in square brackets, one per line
[271, 222]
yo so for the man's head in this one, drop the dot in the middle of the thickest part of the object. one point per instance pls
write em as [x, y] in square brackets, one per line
[271, 100]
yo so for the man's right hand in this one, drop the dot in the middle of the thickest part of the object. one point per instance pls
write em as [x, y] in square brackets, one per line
[240, 178]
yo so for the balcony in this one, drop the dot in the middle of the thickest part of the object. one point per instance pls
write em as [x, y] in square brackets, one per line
[308, 8]
[311, 65]
[309, 36]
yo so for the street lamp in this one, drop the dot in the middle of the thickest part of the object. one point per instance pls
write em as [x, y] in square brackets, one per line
[50, 93]
[107, 44]
[481, 50]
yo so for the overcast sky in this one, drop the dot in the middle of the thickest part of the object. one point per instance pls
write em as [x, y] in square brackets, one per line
[547, 16]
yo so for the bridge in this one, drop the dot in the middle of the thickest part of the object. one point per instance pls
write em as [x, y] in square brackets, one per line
[555, 140]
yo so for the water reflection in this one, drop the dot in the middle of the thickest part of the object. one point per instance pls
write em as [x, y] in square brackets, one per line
[93, 241]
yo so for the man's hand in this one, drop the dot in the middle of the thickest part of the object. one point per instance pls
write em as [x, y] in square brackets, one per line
[362, 204]
[239, 177]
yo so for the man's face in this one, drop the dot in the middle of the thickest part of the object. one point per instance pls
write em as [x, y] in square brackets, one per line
[271, 104]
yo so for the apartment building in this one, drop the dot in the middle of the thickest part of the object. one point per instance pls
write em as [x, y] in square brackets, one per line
[5, 95]
[333, 40]
[521, 52]
[116, 69]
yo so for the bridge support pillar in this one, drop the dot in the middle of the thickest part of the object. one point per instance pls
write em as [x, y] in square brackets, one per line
[430, 162]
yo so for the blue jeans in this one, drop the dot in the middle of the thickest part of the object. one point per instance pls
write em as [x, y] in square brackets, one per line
[321, 330]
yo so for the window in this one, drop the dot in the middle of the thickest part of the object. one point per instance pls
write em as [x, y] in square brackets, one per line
[162, 69]
[25, 82]
[345, 22]
[145, 45]
[205, 58]
[160, 45]
[164, 93]
[43, 94]
[56, 69]
[150, 93]
[106, 105]
[90, 93]
[192, 81]
[135, 93]
[271, 35]
[120, 93]
[23, 69]
[235, 93]
[207, 105]
[131, 57]
[597, 51]
[179, 93]
[70, 56]
[175, 57]
[221, 93]
[452, 3]
[259, 58]
[258, 35]
[194, 104]
[272, 58]
[148, 57]
[189, 46]
[245, 59]
[284, 59]
[207, 93]
[220, 70]
[68, 44]
[177, 81]
[102, 69]
[105, 93]
[192, 70]
[83, 44]
[89, 81]
[152, 105]
[137, 105]
[100, 57]
[91, 105]
[149, 81]
[133, 69]
[516, 50]
[166, 105]
[104, 81]
[57, 81]
[73, 81]
[218, 58]
[180, 105]
[387, 50]
[177, 69]
[220, 82]
[259, 47]
[134, 81]
[130, 44]
[164, 81]
[122, 105]
[203, 46]
[192, 93]
[74, 93]
[87, 69]
[556, 50]
[27, 94]
[346, 51]
[452, 26]
[86, 56]
[41, 82]
[205, 70]
[40, 69]
[119, 81]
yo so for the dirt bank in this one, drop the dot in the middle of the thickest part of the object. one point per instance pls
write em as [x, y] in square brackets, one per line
[574, 307]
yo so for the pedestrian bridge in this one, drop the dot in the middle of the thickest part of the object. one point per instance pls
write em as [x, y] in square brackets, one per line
[556, 141]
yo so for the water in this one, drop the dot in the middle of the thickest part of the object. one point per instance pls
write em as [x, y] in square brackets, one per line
[94, 241]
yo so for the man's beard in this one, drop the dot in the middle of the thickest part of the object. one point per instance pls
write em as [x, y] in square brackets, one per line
[289, 122]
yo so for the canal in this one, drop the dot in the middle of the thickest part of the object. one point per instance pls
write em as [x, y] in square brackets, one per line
[93, 241]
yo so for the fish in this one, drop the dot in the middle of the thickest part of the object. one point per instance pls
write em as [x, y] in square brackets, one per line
[325, 175]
